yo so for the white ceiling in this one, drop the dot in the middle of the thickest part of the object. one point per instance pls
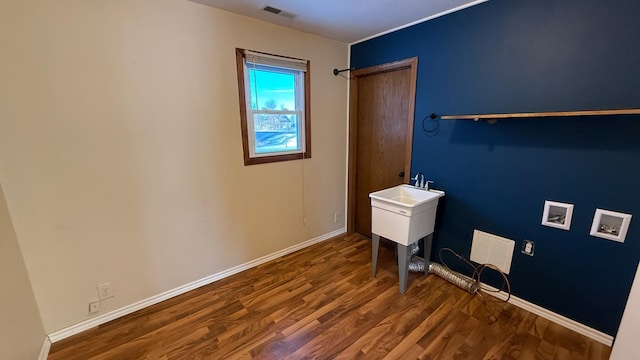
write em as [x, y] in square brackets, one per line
[344, 20]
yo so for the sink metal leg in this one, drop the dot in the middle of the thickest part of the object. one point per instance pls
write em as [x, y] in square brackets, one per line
[404, 257]
[426, 245]
[375, 244]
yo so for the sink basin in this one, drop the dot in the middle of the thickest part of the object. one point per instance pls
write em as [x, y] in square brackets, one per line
[404, 214]
[406, 196]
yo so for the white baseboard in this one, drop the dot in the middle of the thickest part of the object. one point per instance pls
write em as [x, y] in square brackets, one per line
[556, 318]
[126, 310]
[44, 351]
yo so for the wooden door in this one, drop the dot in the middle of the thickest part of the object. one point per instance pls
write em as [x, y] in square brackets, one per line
[382, 102]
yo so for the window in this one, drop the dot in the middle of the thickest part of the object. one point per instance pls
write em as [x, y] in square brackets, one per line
[274, 107]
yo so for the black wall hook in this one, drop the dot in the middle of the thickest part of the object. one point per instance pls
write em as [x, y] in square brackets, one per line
[336, 71]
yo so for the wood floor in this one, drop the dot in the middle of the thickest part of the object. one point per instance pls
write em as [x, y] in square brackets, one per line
[321, 303]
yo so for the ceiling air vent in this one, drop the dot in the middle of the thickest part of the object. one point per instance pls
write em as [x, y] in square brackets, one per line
[272, 10]
[277, 11]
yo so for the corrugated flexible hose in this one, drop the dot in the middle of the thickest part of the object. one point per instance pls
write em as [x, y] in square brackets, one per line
[451, 276]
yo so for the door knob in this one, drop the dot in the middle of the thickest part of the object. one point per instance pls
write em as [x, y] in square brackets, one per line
[401, 174]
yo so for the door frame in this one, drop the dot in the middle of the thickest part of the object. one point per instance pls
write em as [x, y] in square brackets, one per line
[412, 65]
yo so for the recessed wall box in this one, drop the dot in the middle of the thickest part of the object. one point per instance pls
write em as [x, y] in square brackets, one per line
[557, 215]
[610, 225]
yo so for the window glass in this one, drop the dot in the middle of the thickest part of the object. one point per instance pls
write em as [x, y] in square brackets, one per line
[273, 90]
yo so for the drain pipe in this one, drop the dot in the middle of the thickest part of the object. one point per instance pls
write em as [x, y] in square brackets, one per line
[451, 276]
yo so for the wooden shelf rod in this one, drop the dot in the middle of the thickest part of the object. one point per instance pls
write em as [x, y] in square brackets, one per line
[542, 114]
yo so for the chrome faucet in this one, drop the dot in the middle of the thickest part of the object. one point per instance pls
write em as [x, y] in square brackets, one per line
[426, 184]
[420, 183]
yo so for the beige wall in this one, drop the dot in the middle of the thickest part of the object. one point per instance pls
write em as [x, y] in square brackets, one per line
[120, 148]
[21, 331]
[625, 347]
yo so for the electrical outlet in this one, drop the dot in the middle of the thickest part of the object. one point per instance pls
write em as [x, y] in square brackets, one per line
[337, 217]
[105, 291]
[528, 247]
[94, 307]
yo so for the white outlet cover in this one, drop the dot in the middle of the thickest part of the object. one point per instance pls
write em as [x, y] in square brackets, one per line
[528, 247]
[105, 291]
[94, 307]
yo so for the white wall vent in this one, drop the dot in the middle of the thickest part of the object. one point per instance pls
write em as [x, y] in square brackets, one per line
[491, 249]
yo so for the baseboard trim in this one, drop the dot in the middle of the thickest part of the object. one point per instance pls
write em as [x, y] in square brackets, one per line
[44, 351]
[556, 318]
[126, 310]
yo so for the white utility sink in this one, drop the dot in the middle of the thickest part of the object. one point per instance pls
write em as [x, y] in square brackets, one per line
[404, 214]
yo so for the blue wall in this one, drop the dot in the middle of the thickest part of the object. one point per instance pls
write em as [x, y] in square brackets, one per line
[532, 56]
